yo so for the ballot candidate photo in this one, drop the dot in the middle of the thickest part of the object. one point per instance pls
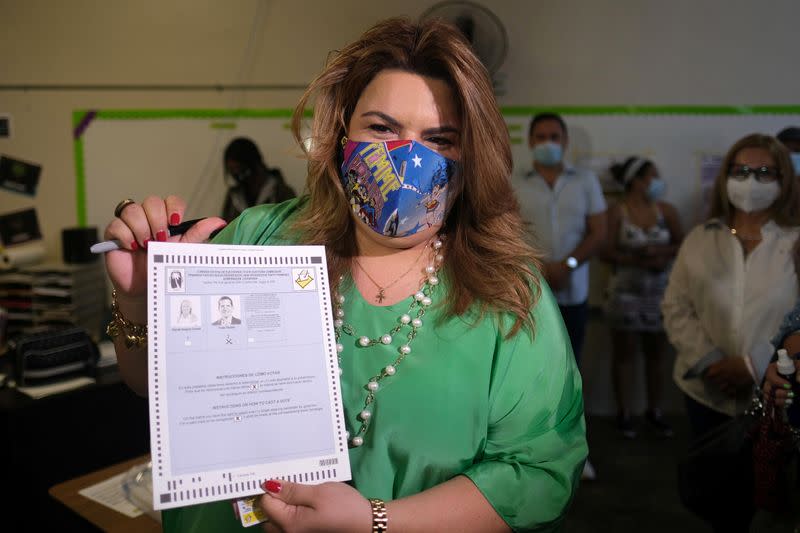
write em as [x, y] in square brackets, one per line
[226, 309]
[187, 314]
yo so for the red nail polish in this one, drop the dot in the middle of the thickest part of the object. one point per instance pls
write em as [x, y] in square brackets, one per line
[271, 486]
[161, 236]
[174, 219]
[144, 243]
[134, 246]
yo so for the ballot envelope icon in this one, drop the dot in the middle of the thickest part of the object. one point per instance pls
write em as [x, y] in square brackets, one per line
[303, 280]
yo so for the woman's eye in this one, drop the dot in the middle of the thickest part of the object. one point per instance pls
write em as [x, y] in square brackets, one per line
[380, 128]
[441, 142]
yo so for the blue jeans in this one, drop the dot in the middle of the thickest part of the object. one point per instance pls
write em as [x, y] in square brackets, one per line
[575, 317]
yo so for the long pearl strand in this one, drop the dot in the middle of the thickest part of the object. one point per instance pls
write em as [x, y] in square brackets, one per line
[422, 300]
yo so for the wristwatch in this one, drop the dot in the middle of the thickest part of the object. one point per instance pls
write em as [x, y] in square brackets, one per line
[571, 262]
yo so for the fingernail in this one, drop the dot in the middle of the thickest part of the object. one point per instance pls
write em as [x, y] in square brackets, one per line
[161, 236]
[271, 486]
[144, 243]
[134, 246]
[174, 219]
[790, 394]
[787, 386]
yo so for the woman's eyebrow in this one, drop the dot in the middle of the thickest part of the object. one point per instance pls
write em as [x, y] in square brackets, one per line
[383, 116]
[440, 130]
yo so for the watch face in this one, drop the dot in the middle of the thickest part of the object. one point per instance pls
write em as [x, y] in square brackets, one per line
[572, 262]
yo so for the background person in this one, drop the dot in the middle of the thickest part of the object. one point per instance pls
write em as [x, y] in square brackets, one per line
[253, 182]
[787, 337]
[644, 235]
[784, 395]
[790, 137]
[567, 213]
[485, 413]
[731, 284]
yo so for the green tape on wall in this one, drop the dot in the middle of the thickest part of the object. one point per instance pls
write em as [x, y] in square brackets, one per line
[226, 120]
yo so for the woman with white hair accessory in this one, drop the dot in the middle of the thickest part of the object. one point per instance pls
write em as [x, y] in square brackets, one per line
[644, 235]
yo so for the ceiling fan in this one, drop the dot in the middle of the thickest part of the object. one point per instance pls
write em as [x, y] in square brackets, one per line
[482, 28]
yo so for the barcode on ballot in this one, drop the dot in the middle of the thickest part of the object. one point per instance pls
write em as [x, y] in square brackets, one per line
[328, 462]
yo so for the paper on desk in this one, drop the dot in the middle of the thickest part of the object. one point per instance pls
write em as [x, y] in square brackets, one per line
[40, 391]
[108, 354]
[110, 494]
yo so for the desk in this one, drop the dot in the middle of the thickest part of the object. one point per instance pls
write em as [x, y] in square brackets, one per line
[101, 516]
[64, 436]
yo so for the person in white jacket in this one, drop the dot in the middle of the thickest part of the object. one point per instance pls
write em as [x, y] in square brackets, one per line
[732, 282]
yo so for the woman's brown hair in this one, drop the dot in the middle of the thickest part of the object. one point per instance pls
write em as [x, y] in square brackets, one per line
[486, 258]
[785, 211]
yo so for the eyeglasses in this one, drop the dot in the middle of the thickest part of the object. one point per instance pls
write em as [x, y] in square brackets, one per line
[762, 174]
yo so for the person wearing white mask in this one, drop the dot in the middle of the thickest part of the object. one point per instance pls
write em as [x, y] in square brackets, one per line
[566, 211]
[790, 137]
[732, 282]
[644, 235]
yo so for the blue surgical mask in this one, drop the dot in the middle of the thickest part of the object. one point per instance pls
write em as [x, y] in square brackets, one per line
[397, 188]
[548, 153]
[796, 162]
[656, 189]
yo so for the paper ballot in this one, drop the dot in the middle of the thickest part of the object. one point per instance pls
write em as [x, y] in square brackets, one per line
[243, 371]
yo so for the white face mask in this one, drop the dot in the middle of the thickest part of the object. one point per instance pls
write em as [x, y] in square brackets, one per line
[751, 195]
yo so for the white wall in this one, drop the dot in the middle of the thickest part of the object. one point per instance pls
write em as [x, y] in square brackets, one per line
[562, 52]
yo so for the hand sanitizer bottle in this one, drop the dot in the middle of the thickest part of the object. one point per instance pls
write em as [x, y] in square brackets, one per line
[787, 371]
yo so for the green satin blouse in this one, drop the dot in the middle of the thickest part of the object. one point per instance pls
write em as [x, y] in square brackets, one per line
[506, 413]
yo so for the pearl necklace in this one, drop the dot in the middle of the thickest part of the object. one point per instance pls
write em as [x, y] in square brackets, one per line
[422, 300]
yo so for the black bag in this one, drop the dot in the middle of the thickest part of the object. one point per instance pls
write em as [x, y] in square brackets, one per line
[717, 472]
[53, 354]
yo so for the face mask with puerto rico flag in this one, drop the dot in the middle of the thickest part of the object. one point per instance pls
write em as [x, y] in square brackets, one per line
[397, 188]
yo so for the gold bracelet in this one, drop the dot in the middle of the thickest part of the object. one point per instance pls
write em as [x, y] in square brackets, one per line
[380, 520]
[135, 334]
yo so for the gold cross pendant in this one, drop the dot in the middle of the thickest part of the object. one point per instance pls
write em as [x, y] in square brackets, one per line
[380, 296]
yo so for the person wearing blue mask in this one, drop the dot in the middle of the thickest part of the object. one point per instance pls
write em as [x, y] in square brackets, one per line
[790, 138]
[644, 235]
[566, 211]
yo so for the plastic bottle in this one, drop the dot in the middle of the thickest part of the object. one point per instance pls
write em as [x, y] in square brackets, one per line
[787, 371]
[786, 366]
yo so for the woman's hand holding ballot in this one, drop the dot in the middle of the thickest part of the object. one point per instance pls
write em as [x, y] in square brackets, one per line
[134, 225]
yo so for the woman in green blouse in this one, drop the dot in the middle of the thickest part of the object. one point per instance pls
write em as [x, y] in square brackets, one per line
[461, 395]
